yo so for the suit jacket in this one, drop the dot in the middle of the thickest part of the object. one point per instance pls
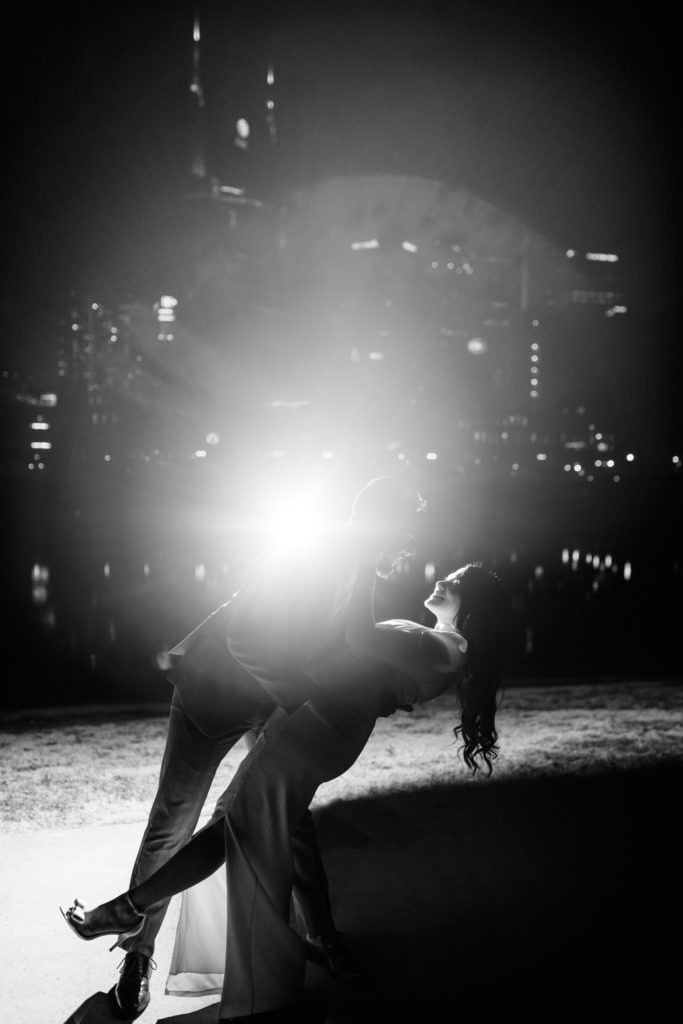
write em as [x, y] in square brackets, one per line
[251, 653]
[217, 693]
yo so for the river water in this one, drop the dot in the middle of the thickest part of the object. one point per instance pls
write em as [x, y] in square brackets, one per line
[97, 591]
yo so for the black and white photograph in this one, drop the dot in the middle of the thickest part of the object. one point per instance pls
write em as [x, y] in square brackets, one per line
[341, 451]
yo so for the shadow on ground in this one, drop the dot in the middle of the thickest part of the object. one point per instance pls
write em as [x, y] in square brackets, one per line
[552, 897]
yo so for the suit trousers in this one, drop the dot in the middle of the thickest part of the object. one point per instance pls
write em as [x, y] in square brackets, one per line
[188, 767]
[272, 788]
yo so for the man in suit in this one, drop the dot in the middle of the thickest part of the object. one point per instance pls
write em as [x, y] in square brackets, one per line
[246, 659]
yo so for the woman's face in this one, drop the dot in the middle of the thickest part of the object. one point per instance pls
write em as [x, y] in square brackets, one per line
[444, 602]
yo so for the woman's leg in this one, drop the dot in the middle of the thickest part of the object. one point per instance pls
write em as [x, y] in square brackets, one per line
[200, 857]
[265, 958]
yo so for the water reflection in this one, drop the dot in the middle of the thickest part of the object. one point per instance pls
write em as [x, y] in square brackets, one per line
[576, 613]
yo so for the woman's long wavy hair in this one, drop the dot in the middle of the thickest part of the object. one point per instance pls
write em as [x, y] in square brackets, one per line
[483, 618]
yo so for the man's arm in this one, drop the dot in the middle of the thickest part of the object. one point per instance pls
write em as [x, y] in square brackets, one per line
[414, 651]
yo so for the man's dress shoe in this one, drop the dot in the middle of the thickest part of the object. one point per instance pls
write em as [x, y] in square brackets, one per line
[131, 992]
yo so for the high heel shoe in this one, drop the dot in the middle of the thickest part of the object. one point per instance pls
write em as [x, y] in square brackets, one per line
[119, 917]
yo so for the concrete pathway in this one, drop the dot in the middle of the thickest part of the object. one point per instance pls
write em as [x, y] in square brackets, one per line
[550, 898]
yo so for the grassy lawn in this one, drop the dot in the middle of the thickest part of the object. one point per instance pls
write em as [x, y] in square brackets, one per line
[66, 769]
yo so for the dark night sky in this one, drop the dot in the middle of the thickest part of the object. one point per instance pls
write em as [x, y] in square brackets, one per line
[559, 114]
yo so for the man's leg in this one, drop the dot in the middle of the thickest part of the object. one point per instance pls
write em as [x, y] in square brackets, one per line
[187, 770]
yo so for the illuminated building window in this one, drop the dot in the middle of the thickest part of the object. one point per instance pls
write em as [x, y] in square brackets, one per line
[165, 310]
[477, 346]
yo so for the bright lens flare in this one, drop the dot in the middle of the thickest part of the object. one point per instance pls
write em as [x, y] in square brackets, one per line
[294, 520]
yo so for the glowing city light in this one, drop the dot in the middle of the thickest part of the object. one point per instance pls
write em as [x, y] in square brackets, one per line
[431, 456]
[602, 257]
[409, 246]
[370, 243]
[41, 445]
[477, 346]
[630, 457]
[40, 425]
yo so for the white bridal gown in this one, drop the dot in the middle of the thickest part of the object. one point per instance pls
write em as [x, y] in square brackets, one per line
[198, 959]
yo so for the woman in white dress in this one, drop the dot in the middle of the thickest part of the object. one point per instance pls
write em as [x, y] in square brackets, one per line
[384, 666]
